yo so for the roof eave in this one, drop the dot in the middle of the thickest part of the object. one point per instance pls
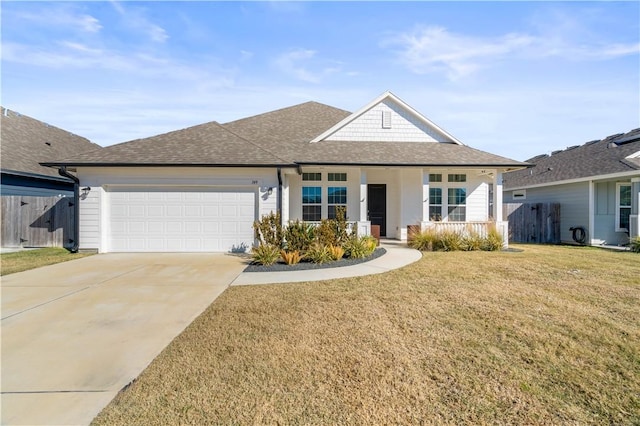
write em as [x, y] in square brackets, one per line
[35, 175]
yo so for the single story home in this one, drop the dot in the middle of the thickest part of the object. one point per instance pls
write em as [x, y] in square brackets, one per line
[200, 189]
[597, 185]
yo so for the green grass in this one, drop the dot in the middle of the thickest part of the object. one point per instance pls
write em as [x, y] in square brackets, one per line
[31, 259]
[549, 335]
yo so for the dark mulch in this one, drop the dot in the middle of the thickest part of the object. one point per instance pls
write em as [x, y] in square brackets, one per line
[303, 266]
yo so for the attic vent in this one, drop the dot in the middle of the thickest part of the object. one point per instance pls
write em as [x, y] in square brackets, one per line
[386, 119]
[48, 143]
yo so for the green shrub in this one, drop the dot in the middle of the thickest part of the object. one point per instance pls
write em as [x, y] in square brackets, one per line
[318, 253]
[333, 232]
[265, 254]
[359, 247]
[299, 236]
[268, 230]
[370, 244]
[634, 244]
[431, 240]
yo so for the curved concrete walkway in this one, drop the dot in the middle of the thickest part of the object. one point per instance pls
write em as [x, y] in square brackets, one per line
[397, 256]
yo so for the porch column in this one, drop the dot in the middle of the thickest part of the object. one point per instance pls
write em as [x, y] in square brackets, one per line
[501, 226]
[426, 222]
[284, 214]
[634, 217]
[363, 225]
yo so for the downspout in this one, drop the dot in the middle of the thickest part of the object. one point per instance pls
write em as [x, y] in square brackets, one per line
[62, 171]
[279, 205]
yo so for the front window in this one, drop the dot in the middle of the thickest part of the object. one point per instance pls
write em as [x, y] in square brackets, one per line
[435, 204]
[311, 203]
[623, 207]
[336, 197]
[457, 204]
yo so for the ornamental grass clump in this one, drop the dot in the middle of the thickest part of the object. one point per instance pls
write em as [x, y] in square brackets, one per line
[360, 247]
[299, 236]
[291, 257]
[265, 254]
[493, 241]
[432, 240]
[634, 245]
[336, 252]
[318, 253]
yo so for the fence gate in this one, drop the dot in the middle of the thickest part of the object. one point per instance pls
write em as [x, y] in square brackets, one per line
[533, 222]
[37, 221]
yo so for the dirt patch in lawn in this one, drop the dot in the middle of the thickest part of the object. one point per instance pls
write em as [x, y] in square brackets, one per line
[548, 335]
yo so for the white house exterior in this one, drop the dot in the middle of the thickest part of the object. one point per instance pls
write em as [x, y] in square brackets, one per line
[200, 189]
[596, 184]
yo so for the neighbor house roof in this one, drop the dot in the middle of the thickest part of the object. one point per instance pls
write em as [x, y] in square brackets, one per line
[279, 138]
[599, 158]
[26, 142]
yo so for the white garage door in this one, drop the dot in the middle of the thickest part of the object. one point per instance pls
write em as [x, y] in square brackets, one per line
[181, 219]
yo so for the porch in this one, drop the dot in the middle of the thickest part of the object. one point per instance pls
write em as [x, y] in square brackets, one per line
[396, 198]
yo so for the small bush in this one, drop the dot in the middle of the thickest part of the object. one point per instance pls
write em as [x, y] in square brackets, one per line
[425, 240]
[265, 254]
[336, 252]
[493, 241]
[290, 257]
[472, 241]
[634, 244]
[268, 230]
[450, 241]
[299, 236]
[334, 232]
[319, 253]
[360, 247]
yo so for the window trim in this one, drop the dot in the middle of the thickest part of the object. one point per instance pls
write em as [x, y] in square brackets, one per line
[619, 207]
[330, 204]
[450, 205]
[432, 204]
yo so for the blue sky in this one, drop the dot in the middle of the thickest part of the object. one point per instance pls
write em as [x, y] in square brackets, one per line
[513, 78]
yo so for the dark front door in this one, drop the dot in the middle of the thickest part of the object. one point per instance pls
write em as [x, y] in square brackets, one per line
[377, 196]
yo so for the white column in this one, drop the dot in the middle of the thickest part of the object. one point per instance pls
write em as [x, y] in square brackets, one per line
[497, 197]
[363, 225]
[425, 200]
[634, 217]
[285, 199]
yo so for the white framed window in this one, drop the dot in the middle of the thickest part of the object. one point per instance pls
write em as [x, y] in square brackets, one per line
[337, 177]
[623, 206]
[435, 177]
[311, 203]
[435, 204]
[336, 197]
[457, 178]
[457, 204]
[312, 176]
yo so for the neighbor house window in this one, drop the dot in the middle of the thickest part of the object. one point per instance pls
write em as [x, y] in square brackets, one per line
[457, 178]
[311, 176]
[337, 177]
[336, 197]
[435, 204]
[311, 203]
[623, 206]
[457, 204]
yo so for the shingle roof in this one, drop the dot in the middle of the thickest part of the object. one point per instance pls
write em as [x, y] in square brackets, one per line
[282, 138]
[26, 142]
[594, 158]
[204, 144]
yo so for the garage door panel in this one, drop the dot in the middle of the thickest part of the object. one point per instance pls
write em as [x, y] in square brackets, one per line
[161, 220]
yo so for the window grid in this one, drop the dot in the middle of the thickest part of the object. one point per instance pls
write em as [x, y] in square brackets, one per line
[435, 177]
[311, 176]
[311, 203]
[435, 204]
[336, 197]
[457, 200]
[623, 206]
[337, 177]
[456, 178]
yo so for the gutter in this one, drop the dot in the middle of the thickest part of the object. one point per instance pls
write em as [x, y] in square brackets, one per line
[62, 171]
[279, 205]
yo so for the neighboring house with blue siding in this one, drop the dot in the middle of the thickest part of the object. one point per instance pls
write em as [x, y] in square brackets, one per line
[597, 185]
[25, 143]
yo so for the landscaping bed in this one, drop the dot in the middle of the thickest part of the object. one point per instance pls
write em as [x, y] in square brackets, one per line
[303, 266]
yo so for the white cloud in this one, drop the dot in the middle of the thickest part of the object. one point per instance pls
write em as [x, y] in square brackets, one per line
[65, 16]
[304, 65]
[135, 19]
[435, 49]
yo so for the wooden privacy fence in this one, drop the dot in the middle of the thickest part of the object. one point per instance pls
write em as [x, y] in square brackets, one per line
[37, 221]
[533, 222]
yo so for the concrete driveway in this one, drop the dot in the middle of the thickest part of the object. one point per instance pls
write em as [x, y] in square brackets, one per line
[75, 333]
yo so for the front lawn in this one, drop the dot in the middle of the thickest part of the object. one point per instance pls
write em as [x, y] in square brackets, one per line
[30, 259]
[549, 335]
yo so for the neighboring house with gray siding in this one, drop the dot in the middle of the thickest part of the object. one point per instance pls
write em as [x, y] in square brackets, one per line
[597, 185]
